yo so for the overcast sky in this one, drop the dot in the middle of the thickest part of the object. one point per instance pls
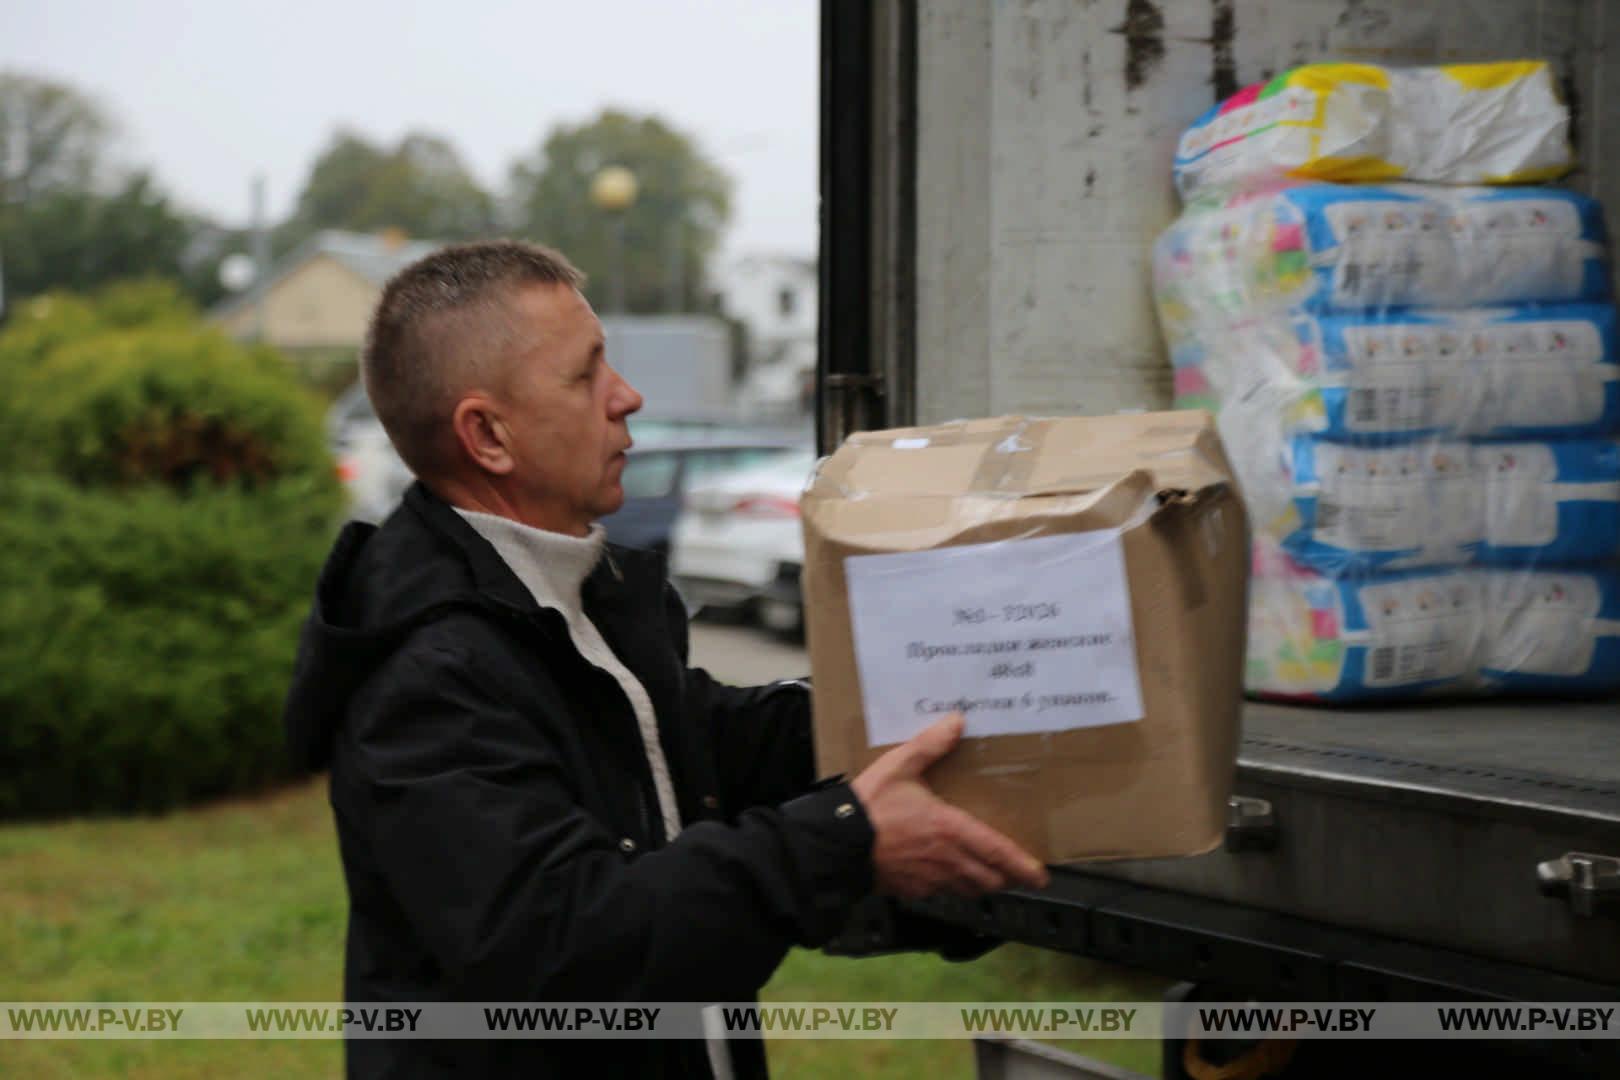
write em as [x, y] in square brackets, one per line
[209, 93]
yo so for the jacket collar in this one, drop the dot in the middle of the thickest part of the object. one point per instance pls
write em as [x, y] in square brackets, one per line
[491, 576]
[621, 574]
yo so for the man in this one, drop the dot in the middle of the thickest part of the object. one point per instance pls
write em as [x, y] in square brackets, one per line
[536, 797]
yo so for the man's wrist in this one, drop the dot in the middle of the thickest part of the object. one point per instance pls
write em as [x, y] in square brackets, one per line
[835, 839]
[834, 800]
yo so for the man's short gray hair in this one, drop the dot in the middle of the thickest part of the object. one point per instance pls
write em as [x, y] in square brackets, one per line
[444, 327]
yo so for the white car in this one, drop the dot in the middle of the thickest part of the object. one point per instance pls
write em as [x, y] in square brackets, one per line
[374, 478]
[737, 542]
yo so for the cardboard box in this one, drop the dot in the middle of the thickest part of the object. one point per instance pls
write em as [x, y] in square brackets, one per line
[1066, 562]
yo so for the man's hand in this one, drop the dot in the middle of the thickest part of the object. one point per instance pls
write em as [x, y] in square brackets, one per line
[925, 845]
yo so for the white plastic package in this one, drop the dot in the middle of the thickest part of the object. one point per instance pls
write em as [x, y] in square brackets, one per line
[1453, 124]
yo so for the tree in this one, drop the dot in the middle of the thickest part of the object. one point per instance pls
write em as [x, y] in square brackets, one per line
[67, 221]
[420, 186]
[669, 232]
[74, 238]
[51, 138]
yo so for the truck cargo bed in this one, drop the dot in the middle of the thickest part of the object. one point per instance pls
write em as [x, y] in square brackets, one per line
[1556, 762]
[1424, 823]
[1400, 859]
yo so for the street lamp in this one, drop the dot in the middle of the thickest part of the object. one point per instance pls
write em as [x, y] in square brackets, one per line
[613, 190]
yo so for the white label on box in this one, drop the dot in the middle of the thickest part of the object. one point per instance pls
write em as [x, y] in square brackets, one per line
[1023, 636]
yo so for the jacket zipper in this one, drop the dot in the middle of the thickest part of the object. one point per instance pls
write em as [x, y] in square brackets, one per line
[652, 829]
[650, 836]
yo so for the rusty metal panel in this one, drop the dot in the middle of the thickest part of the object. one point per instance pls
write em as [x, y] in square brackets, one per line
[1045, 133]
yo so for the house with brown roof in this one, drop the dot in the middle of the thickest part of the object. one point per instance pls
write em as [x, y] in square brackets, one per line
[318, 297]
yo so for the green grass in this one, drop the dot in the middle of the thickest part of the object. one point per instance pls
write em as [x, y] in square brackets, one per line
[1012, 973]
[238, 902]
[243, 901]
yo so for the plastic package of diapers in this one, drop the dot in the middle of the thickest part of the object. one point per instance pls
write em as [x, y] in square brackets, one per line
[1521, 371]
[1428, 633]
[1419, 390]
[1552, 631]
[1415, 372]
[1440, 503]
[1342, 247]
[1452, 124]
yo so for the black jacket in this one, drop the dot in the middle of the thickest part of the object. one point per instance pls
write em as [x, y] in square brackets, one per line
[496, 814]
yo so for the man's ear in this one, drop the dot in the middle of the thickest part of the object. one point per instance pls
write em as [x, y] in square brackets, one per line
[481, 435]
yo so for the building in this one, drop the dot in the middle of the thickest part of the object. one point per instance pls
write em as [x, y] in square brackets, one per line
[680, 364]
[318, 298]
[774, 297]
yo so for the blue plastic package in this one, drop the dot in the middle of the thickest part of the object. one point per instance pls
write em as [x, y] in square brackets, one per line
[1393, 635]
[1552, 631]
[1448, 503]
[1430, 632]
[1341, 247]
[1403, 246]
[1529, 371]
[1363, 509]
[1550, 502]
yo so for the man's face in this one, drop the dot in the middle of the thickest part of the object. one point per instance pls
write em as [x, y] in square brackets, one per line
[565, 410]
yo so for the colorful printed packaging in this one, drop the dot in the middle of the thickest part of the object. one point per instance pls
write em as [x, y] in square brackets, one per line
[1343, 248]
[1528, 371]
[1436, 503]
[1429, 633]
[1416, 378]
[1383, 508]
[1354, 123]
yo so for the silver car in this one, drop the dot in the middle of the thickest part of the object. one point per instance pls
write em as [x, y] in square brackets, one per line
[737, 543]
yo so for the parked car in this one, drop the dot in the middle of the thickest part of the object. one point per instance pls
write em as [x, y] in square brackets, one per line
[737, 543]
[660, 471]
[372, 473]
[669, 455]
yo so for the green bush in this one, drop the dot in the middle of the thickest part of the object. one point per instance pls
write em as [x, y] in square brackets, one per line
[40, 326]
[327, 372]
[166, 498]
[168, 405]
[148, 639]
[43, 323]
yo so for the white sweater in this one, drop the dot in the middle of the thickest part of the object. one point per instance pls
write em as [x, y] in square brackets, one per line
[553, 567]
